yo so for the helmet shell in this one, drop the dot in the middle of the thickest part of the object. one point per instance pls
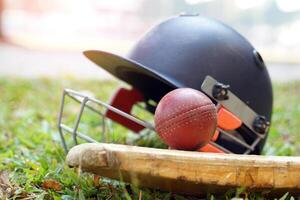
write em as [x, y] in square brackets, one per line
[187, 48]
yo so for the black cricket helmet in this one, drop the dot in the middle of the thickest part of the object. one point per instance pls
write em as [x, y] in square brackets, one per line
[204, 54]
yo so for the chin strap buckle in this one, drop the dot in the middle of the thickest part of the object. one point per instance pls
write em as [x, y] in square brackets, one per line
[233, 114]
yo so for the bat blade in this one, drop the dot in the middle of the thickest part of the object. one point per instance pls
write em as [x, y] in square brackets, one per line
[185, 172]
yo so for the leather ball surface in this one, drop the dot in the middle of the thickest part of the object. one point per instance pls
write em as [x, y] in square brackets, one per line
[185, 119]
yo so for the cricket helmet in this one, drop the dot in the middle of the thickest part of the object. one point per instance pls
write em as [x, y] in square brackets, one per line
[203, 54]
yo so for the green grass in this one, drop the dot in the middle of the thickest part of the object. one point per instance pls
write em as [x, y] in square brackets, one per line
[31, 152]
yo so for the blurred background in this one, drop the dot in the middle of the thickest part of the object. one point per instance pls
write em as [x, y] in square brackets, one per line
[45, 38]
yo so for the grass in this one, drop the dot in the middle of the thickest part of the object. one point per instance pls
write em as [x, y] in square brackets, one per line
[32, 159]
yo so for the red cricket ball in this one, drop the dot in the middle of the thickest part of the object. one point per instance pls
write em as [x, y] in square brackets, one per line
[185, 119]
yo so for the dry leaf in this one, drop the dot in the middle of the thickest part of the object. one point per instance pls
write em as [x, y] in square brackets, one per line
[51, 184]
[96, 180]
[5, 186]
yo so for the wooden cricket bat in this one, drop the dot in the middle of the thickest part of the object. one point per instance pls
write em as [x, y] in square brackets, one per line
[185, 172]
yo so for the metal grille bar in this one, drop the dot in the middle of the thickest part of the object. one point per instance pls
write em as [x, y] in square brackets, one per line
[84, 100]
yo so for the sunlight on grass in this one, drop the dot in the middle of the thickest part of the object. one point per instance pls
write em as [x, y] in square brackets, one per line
[31, 150]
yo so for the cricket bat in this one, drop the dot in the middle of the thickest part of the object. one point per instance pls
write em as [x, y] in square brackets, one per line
[186, 172]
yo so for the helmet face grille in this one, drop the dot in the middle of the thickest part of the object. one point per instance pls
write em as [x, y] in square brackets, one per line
[242, 139]
[70, 134]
